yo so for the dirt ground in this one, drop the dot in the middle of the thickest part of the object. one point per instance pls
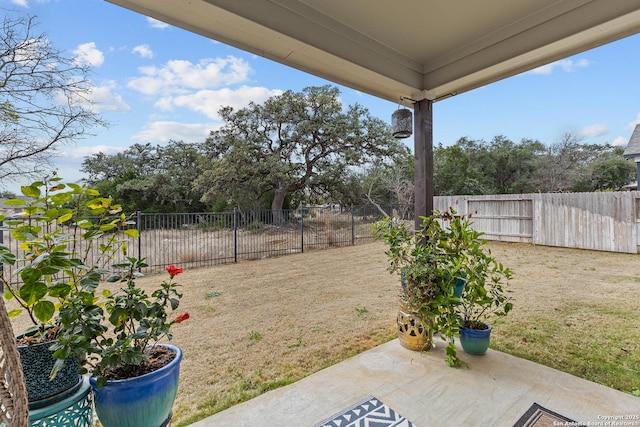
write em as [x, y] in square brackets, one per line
[260, 324]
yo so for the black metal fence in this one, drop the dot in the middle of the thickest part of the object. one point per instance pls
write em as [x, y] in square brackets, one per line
[207, 239]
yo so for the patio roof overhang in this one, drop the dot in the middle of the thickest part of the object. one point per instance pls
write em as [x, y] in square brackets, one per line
[420, 49]
[424, 50]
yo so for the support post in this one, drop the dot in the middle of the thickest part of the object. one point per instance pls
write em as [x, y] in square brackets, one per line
[235, 234]
[423, 152]
[139, 229]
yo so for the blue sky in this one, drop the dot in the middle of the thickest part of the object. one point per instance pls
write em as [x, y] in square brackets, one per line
[155, 82]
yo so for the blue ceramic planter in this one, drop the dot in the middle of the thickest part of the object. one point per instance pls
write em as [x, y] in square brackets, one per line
[143, 401]
[475, 341]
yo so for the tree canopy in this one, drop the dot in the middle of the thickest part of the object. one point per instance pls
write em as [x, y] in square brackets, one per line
[293, 142]
[149, 178]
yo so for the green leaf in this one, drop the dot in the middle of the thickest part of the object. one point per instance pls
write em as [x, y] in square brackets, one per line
[7, 258]
[32, 190]
[118, 316]
[92, 234]
[87, 298]
[65, 217]
[42, 257]
[132, 232]
[32, 292]
[30, 275]
[59, 290]
[19, 235]
[75, 187]
[50, 214]
[14, 313]
[14, 202]
[91, 281]
[114, 278]
[44, 310]
[61, 198]
[84, 224]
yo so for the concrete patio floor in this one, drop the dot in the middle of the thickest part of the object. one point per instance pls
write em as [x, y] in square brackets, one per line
[496, 390]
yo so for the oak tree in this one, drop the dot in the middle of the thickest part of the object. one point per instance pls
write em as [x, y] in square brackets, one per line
[296, 141]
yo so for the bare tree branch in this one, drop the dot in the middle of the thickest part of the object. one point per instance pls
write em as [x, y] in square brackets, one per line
[42, 98]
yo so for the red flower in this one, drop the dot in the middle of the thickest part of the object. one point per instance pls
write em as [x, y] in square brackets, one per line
[182, 317]
[173, 270]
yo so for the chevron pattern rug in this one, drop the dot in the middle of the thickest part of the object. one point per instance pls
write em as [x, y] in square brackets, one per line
[370, 412]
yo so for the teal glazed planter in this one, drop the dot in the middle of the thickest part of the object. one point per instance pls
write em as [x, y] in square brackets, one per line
[459, 287]
[143, 401]
[475, 341]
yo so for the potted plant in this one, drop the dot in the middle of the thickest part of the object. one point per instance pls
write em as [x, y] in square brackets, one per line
[63, 235]
[451, 280]
[485, 294]
[429, 270]
[482, 285]
[133, 377]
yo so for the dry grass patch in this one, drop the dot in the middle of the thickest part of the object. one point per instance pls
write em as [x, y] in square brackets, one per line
[258, 325]
[576, 311]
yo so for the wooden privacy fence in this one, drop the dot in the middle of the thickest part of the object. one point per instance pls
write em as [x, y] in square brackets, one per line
[596, 221]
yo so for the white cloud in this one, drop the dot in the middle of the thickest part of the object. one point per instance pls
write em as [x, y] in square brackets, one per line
[154, 23]
[25, 3]
[88, 54]
[104, 99]
[179, 76]
[594, 130]
[163, 131]
[143, 50]
[80, 152]
[567, 65]
[633, 124]
[620, 141]
[197, 87]
[208, 102]
[99, 99]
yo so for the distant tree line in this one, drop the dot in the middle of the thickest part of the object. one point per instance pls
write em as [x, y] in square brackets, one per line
[504, 167]
[182, 177]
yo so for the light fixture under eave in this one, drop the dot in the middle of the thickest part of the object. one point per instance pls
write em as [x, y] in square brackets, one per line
[402, 123]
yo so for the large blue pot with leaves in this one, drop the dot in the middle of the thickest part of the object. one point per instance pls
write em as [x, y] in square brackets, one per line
[143, 401]
[475, 341]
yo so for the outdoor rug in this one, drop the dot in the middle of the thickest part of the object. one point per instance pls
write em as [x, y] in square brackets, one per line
[537, 416]
[370, 412]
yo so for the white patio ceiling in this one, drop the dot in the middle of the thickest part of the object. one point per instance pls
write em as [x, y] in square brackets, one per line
[413, 48]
